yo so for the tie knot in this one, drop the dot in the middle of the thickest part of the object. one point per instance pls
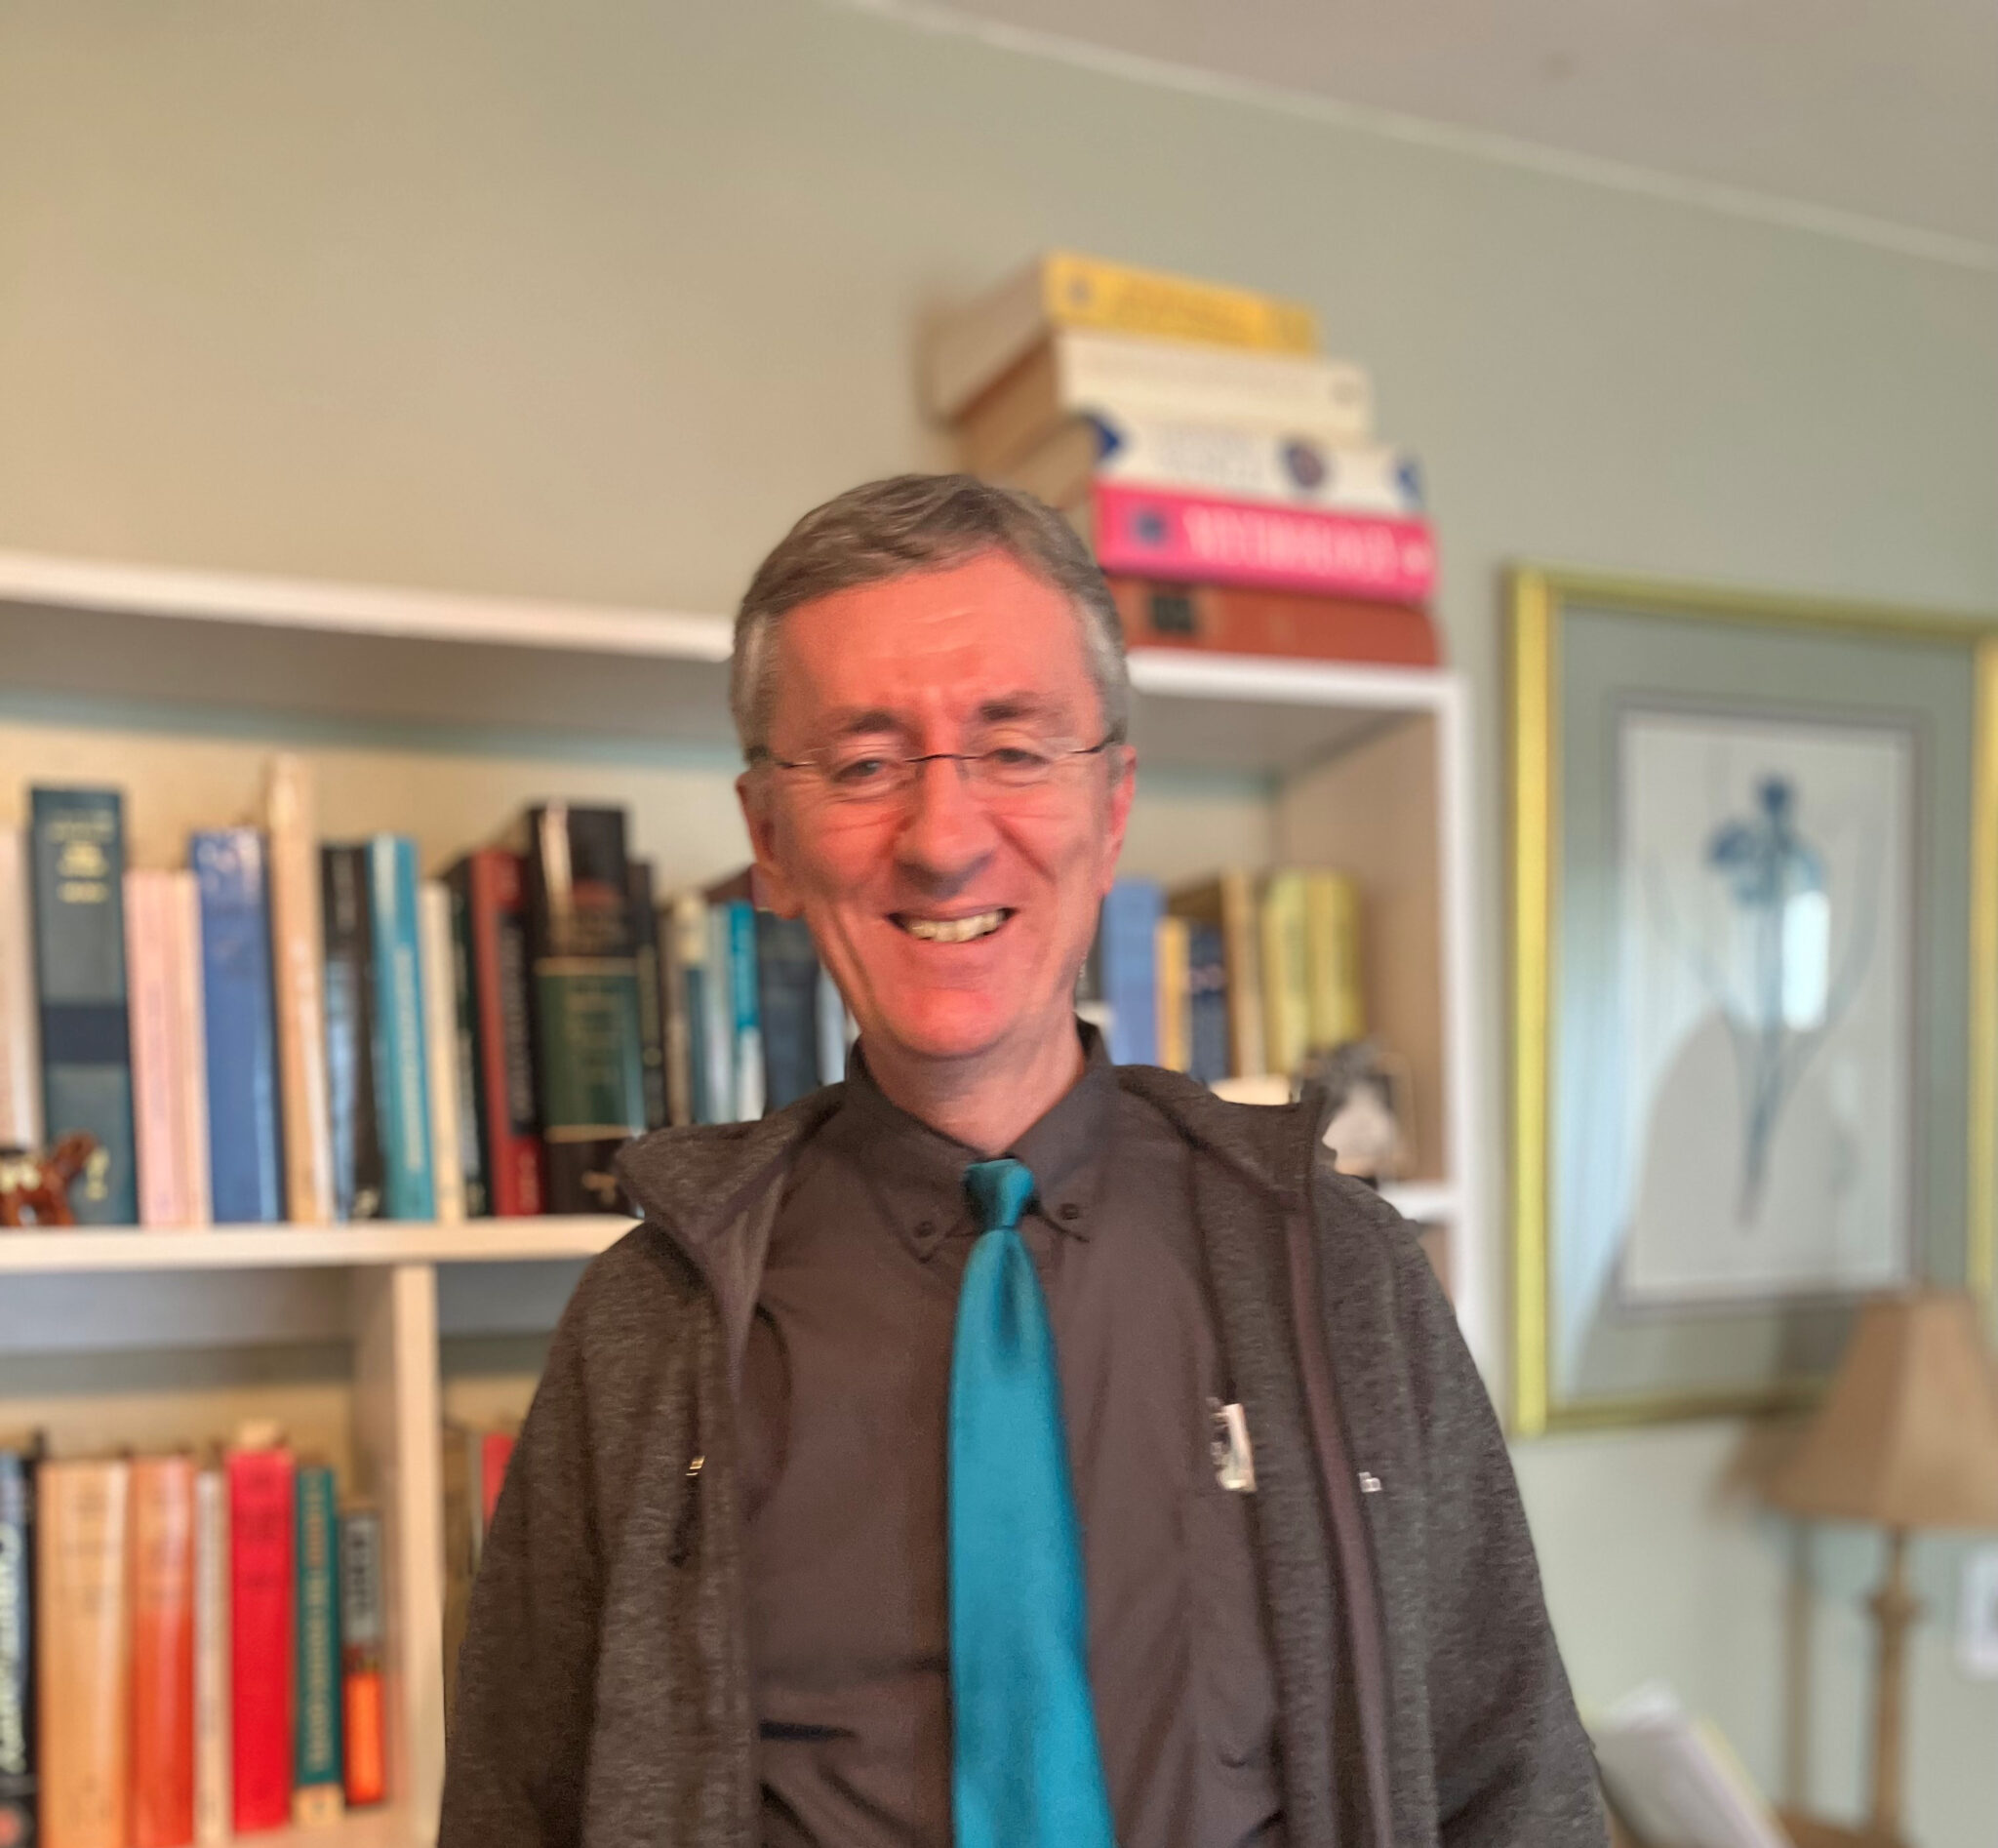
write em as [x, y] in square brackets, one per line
[1000, 1191]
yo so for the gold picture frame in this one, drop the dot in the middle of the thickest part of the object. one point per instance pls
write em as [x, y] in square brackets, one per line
[1542, 603]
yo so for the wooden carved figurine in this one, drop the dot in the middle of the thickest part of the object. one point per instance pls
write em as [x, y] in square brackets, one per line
[34, 1190]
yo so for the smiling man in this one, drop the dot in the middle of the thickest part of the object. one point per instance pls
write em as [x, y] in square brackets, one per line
[1003, 1447]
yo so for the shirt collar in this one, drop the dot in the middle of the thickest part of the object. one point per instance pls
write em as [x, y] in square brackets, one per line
[917, 1173]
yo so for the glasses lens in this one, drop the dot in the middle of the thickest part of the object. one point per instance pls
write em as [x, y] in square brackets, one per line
[863, 776]
[1014, 766]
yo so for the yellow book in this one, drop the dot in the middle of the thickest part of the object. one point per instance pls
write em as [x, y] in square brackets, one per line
[297, 957]
[1338, 1013]
[1285, 983]
[1176, 997]
[1064, 289]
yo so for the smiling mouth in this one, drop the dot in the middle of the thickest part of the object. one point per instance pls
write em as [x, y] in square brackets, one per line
[951, 930]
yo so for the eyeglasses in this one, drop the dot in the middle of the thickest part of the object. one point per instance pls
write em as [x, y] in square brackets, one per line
[865, 775]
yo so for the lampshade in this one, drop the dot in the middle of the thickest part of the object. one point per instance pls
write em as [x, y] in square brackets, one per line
[1909, 1435]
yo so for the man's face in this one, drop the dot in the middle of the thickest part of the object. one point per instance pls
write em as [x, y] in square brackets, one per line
[966, 660]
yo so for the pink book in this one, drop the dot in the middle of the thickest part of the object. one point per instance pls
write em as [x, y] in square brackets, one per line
[1201, 538]
[156, 1104]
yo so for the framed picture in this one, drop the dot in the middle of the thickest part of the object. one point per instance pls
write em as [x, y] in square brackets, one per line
[1755, 916]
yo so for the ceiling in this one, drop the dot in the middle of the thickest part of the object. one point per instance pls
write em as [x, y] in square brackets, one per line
[1877, 117]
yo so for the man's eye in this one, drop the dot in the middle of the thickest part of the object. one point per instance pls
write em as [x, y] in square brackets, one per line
[1017, 756]
[853, 773]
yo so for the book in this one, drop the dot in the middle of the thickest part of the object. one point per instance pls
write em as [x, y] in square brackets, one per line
[402, 1084]
[239, 1035]
[162, 1593]
[298, 963]
[212, 1783]
[436, 967]
[360, 1176]
[1074, 370]
[363, 1632]
[158, 1061]
[833, 1034]
[1171, 951]
[318, 1764]
[717, 1018]
[651, 1022]
[490, 1452]
[1161, 532]
[79, 933]
[786, 1008]
[1223, 459]
[1286, 979]
[465, 1055]
[683, 973]
[1333, 970]
[84, 1658]
[589, 1065]
[1128, 930]
[1207, 1003]
[1675, 1782]
[18, 1805]
[261, 1530]
[21, 1057]
[489, 898]
[189, 1009]
[1066, 289]
[1226, 903]
[1247, 619]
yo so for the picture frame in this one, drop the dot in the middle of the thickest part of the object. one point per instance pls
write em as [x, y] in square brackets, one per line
[1753, 920]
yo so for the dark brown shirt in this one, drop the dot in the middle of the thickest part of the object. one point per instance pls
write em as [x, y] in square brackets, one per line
[845, 1393]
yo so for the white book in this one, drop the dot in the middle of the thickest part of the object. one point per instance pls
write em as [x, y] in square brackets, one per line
[718, 1023]
[1674, 1780]
[833, 1030]
[21, 1038]
[191, 1044]
[211, 1802]
[151, 1000]
[297, 960]
[447, 1109]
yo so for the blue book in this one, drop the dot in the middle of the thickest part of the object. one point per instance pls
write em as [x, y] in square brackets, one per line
[1128, 932]
[244, 1157]
[787, 1008]
[746, 1039]
[77, 842]
[402, 1087]
[1207, 989]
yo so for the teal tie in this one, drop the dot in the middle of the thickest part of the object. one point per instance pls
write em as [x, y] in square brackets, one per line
[1026, 1772]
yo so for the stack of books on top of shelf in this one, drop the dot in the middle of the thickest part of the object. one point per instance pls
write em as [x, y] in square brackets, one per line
[202, 1655]
[1227, 474]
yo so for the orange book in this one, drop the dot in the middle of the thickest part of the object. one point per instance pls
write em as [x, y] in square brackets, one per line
[84, 1705]
[162, 1652]
[1299, 625]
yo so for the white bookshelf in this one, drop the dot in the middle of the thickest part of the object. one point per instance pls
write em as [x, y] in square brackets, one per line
[441, 716]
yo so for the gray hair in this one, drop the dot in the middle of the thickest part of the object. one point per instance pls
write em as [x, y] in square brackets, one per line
[902, 526]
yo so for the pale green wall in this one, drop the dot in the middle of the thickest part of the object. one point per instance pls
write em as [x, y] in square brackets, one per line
[590, 300]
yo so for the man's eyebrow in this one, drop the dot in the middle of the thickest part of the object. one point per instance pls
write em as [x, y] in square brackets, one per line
[1009, 707]
[859, 722]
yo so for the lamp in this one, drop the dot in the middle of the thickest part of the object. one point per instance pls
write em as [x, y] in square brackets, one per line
[1906, 1438]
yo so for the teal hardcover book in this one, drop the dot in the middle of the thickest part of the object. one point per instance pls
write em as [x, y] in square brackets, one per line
[317, 1764]
[402, 1088]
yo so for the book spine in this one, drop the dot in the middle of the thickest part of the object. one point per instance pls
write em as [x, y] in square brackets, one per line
[191, 1054]
[360, 1179]
[683, 954]
[1250, 464]
[402, 1086]
[162, 1652]
[364, 1729]
[493, 883]
[718, 1019]
[246, 1166]
[1087, 292]
[832, 1030]
[787, 1008]
[1286, 979]
[652, 1022]
[1338, 1011]
[155, 1067]
[79, 913]
[210, 1658]
[1330, 399]
[18, 1808]
[745, 1042]
[494, 1452]
[1241, 950]
[1246, 620]
[586, 1014]
[1199, 538]
[260, 1514]
[84, 1659]
[298, 960]
[21, 1058]
[317, 1762]
[1174, 1016]
[1207, 993]
[440, 1049]
[473, 1155]
[1129, 930]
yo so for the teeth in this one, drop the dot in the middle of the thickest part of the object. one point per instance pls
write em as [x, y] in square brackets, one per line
[953, 930]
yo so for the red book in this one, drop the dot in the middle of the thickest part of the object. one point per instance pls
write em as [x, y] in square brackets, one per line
[489, 906]
[261, 1516]
[495, 1451]
[162, 1591]
[1243, 619]
[1203, 539]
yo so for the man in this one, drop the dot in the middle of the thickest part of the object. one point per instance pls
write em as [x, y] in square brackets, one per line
[1003, 1447]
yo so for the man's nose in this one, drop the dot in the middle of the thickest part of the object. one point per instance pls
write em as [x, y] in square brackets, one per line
[946, 832]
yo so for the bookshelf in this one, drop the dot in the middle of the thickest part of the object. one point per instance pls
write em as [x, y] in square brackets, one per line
[441, 716]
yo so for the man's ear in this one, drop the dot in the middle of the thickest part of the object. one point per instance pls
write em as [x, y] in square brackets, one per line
[1123, 769]
[774, 889]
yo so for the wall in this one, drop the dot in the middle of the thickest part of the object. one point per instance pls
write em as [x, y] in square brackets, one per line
[590, 301]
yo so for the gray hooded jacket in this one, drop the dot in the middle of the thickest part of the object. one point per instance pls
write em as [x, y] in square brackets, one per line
[603, 1695]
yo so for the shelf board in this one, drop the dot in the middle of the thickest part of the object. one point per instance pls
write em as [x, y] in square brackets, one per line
[290, 1247]
[1425, 1202]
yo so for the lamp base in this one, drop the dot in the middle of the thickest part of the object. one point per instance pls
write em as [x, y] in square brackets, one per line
[1809, 1831]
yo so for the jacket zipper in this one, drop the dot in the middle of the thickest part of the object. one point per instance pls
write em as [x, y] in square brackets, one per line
[687, 1529]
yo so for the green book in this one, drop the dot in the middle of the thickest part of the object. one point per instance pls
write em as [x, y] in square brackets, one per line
[317, 1758]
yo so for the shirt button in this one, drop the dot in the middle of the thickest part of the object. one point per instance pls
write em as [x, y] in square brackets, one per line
[1070, 1213]
[926, 1229]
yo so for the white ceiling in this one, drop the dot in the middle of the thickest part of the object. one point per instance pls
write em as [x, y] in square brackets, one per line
[1883, 111]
